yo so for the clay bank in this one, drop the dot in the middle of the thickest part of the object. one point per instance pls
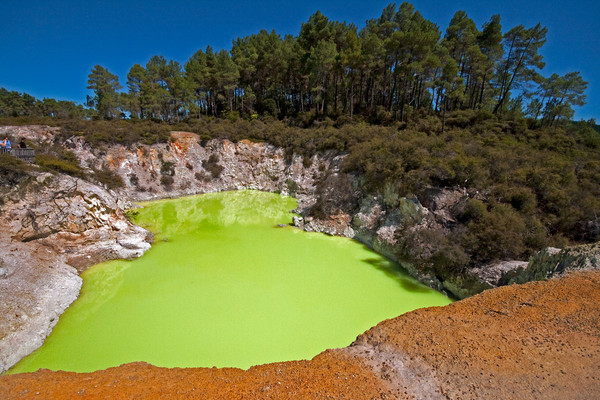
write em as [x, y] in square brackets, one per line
[57, 225]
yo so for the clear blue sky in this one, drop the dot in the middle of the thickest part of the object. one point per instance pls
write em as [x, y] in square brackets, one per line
[49, 47]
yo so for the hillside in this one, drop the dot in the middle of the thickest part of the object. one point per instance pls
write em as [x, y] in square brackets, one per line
[485, 191]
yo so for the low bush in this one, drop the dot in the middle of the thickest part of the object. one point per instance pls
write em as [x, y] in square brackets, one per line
[108, 178]
[12, 170]
[167, 168]
[67, 163]
[212, 166]
[166, 180]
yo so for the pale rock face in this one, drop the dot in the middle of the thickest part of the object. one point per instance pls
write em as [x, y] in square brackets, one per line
[179, 168]
[35, 133]
[36, 289]
[493, 273]
[25, 326]
[335, 225]
[76, 218]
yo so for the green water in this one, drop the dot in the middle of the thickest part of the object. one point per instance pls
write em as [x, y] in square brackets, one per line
[224, 286]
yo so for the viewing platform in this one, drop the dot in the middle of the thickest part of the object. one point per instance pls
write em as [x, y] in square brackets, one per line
[27, 155]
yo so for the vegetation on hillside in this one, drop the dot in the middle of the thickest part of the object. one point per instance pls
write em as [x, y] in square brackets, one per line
[398, 64]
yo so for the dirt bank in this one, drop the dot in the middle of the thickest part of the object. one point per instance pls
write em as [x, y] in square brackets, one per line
[538, 340]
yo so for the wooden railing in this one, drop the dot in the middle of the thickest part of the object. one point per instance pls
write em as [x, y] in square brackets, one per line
[27, 155]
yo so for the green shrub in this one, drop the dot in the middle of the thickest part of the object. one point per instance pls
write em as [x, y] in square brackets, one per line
[126, 132]
[12, 170]
[68, 165]
[523, 200]
[498, 235]
[108, 178]
[474, 210]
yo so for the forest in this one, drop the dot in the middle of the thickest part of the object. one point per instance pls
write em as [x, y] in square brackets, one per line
[396, 65]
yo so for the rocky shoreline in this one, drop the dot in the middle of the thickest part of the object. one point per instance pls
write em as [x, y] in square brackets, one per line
[57, 225]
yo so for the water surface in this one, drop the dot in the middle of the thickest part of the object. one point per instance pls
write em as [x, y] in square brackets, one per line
[224, 286]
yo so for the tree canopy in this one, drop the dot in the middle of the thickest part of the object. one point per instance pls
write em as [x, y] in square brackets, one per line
[15, 104]
[396, 65]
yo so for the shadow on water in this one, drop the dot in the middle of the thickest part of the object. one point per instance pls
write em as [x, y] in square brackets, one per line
[395, 272]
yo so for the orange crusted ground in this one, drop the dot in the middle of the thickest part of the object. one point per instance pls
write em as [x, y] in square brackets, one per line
[326, 376]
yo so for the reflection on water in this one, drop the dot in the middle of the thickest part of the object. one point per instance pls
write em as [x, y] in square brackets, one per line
[227, 289]
[214, 210]
[396, 272]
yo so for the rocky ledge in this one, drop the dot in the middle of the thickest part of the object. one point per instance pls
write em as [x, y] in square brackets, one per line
[531, 341]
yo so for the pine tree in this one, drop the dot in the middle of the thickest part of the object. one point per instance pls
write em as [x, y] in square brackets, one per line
[105, 86]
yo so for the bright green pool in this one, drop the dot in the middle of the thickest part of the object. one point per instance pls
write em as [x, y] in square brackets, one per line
[224, 286]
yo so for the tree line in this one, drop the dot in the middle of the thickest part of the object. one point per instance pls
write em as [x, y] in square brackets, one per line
[15, 104]
[397, 65]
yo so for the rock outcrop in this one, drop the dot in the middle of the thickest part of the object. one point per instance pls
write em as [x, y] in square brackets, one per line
[34, 133]
[187, 166]
[329, 200]
[552, 262]
[74, 218]
[35, 289]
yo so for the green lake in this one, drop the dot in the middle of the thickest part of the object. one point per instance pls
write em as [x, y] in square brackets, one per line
[224, 286]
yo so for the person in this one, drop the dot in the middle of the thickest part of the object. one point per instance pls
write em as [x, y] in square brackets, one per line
[22, 144]
[5, 145]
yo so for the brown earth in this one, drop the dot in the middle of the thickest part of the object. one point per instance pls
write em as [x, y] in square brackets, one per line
[532, 341]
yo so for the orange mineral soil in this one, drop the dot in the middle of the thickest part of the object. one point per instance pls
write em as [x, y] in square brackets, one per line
[532, 341]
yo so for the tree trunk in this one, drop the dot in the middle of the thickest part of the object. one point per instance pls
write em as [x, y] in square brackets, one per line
[444, 115]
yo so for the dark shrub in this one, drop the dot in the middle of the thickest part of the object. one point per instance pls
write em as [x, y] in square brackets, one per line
[133, 179]
[12, 170]
[166, 180]
[167, 168]
[202, 176]
[212, 166]
[68, 165]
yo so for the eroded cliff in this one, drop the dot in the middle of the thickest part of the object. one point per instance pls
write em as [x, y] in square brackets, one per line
[329, 200]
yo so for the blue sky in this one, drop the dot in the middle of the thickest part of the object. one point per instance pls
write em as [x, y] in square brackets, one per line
[49, 47]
